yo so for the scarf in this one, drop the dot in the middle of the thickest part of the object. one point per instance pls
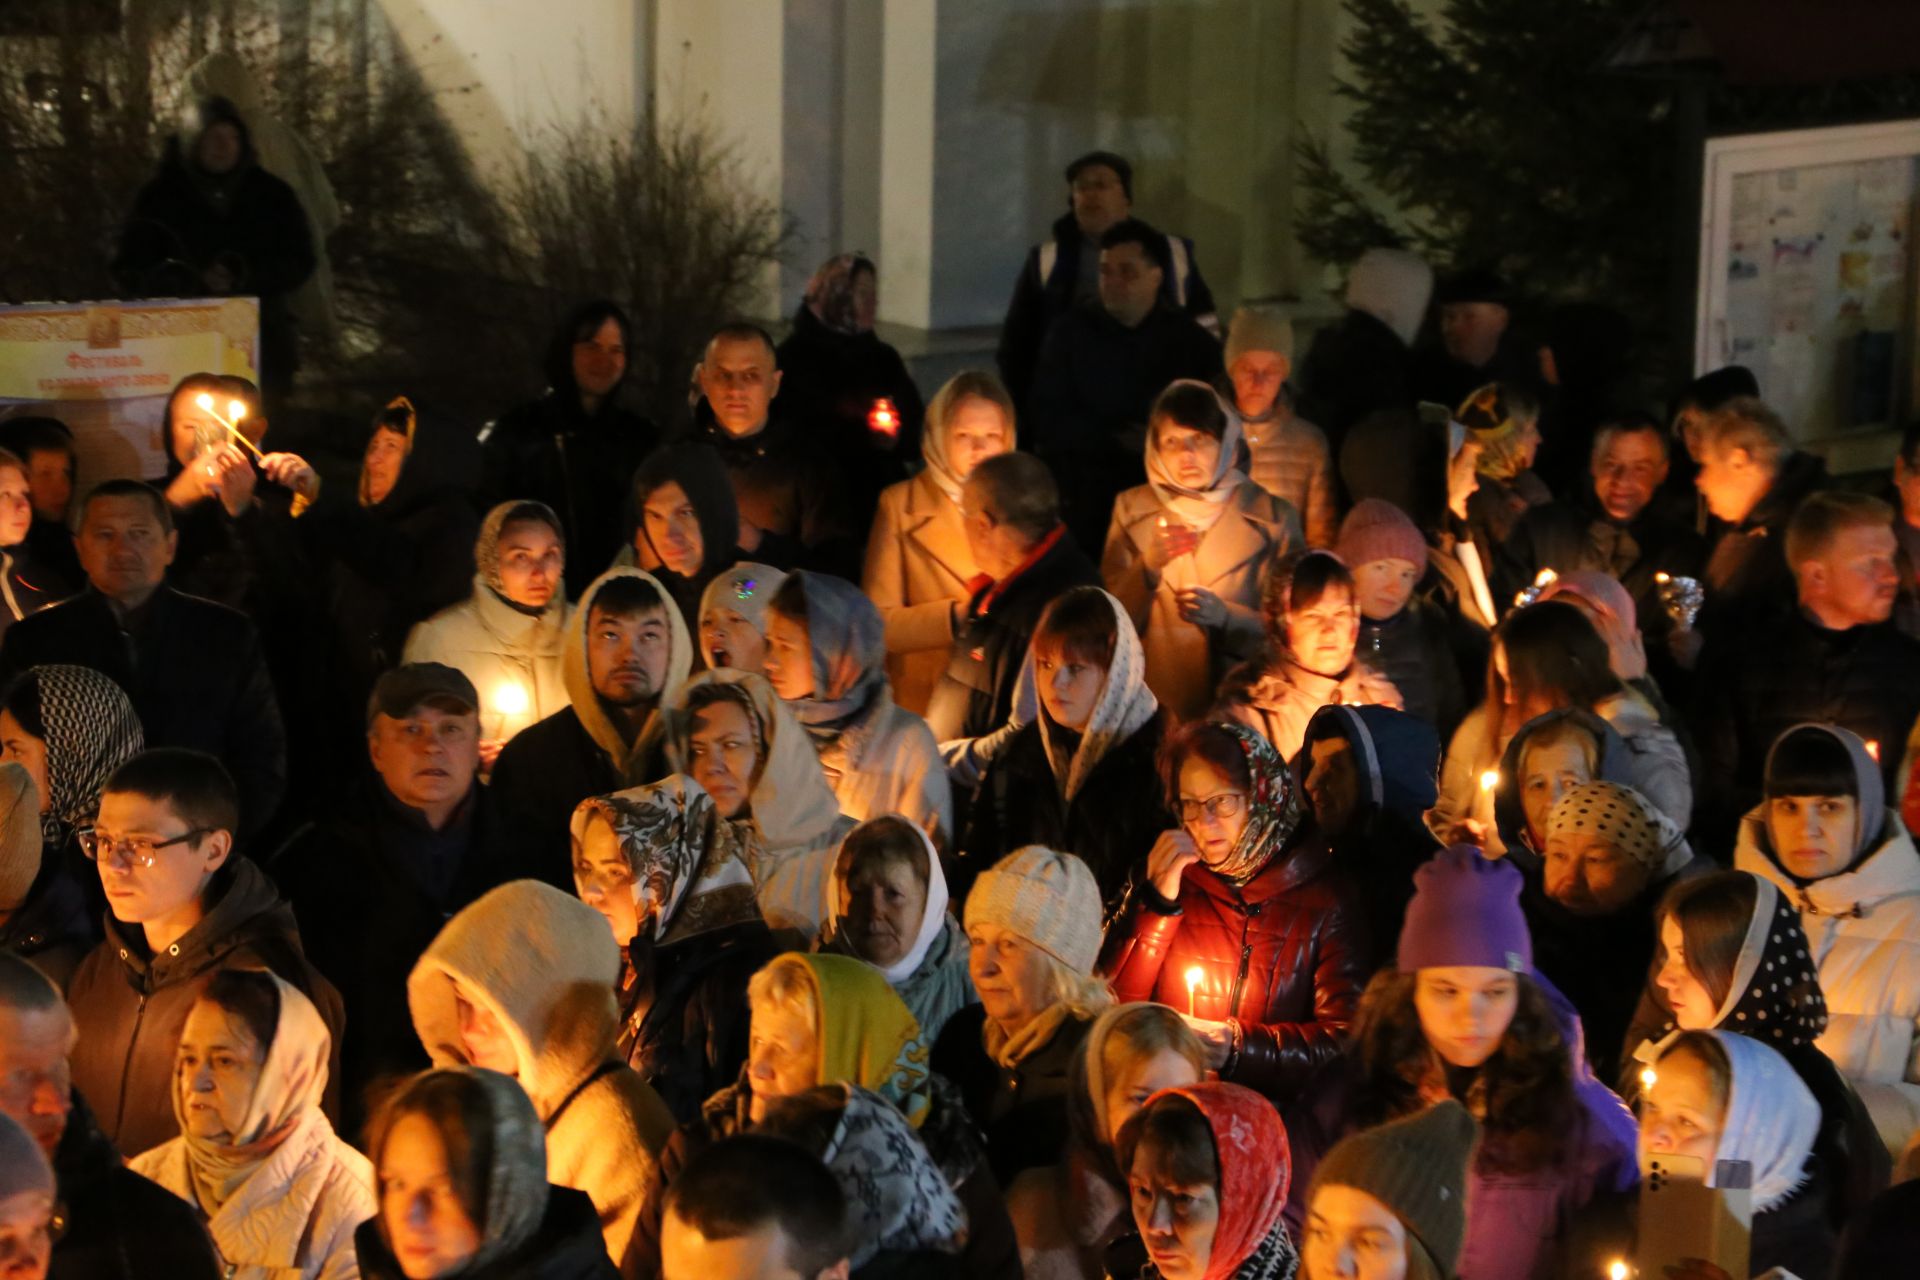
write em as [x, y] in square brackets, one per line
[517, 1176]
[1256, 1169]
[844, 632]
[1087, 1095]
[1200, 508]
[1774, 992]
[1011, 1050]
[684, 857]
[486, 545]
[933, 917]
[292, 1078]
[830, 293]
[933, 444]
[90, 730]
[791, 805]
[1123, 708]
[865, 1035]
[1772, 1119]
[1627, 821]
[743, 589]
[1273, 809]
[897, 1199]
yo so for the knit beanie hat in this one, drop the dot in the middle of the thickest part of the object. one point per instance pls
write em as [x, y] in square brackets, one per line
[1417, 1167]
[1377, 530]
[1618, 814]
[1259, 329]
[1048, 898]
[19, 835]
[1465, 912]
[745, 588]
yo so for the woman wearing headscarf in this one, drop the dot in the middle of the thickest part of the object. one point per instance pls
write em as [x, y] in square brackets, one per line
[1504, 420]
[1209, 1168]
[889, 902]
[1719, 1096]
[521, 982]
[686, 525]
[1079, 776]
[27, 585]
[1240, 918]
[1066, 1214]
[919, 568]
[733, 617]
[1392, 1200]
[279, 1192]
[462, 1168]
[669, 875]
[1188, 551]
[730, 733]
[1033, 922]
[824, 659]
[27, 1202]
[1825, 836]
[1733, 957]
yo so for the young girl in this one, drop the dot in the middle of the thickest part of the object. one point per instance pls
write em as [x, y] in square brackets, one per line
[1402, 637]
[1391, 1203]
[1186, 551]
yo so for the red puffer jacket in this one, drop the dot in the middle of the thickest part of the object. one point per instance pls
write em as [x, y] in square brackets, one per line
[1285, 958]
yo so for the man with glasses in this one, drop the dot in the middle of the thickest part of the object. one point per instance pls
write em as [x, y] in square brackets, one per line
[194, 670]
[100, 1218]
[181, 905]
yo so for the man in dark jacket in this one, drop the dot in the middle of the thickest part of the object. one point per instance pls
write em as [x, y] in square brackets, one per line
[576, 447]
[626, 652]
[1363, 363]
[119, 1225]
[792, 508]
[1477, 343]
[1011, 513]
[213, 222]
[1837, 659]
[181, 907]
[194, 670]
[1100, 370]
[412, 843]
[1063, 272]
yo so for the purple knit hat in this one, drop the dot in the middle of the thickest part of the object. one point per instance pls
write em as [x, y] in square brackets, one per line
[1377, 530]
[1465, 912]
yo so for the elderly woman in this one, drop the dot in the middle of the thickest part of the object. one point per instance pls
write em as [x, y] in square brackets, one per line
[730, 733]
[669, 875]
[1033, 922]
[1240, 917]
[521, 982]
[462, 1168]
[1066, 1214]
[890, 910]
[1312, 623]
[919, 567]
[1187, 551]
[280, 1194]
[1208, 1169]
[824, 653]
[733, 616]
[1392, 1201]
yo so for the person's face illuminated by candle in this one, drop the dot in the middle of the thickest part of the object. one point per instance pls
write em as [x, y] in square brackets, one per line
[603, 878]
[1383, 587]
[1139, 1079]
[789, 660]
[1352, 1236]
[431, 1231]
[976, 430]
[1013, 978]
[739, 380]
[1692, 1005]
[1590, 875]
[1177, 1219]
[1682, 1111]
[482, 1035]
[532, 560]
[731, 640]
[16, 505]
[1548, 770]
[1070, 684]
[1257, 379]
[1465, 1010]
[124, 547]
[1188, 455]
[428, 757]
[723, 757]
[884, 899]
[1813, 836]
[192, 428]
[1628, 467]
[1213, 808]
[672, 528]
[1321, 635]
[386, 455]
[783, 1054]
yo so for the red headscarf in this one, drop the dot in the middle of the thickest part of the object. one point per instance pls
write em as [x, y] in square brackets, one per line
[1256, 1167]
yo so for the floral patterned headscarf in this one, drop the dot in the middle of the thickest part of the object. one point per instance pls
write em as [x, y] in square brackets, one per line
[1273, 807]
[1256, 1170]
[685, 859]
[830, 293]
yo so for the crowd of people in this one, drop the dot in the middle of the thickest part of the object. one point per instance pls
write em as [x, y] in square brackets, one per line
[1160, 810]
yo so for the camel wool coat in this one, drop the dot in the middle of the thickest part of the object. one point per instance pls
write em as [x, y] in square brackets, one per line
[917, 571]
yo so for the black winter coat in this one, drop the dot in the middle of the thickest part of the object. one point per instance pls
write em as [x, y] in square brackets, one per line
[568, 1246]
[684, 1016]
[1355, 367]
[830, 381]
[542, 775]
[785, 483]
[1110, 825]
[54, 928]
[975, 694]
[1754, 686]
[120, 1226]
[1022, 1110]
[1412, 649]
[194, 670]
[1884, 1240]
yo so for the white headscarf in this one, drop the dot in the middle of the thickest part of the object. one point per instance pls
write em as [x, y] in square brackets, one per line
[933, 437]
[792, 805]
[1199, 508]
[1772, 1119]
[1125, 704]
[933, 917]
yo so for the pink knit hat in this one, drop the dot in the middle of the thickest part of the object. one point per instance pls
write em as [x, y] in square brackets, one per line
[1377, 530]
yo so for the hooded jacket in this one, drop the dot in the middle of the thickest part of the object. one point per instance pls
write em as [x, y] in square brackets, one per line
[129, 1006]
[578, 751]
[552, 993]
[1863, 926]
[121, 1226]
[497, 645]
[702, 476]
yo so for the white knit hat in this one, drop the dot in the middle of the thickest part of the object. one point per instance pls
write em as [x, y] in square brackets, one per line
[1048, 898]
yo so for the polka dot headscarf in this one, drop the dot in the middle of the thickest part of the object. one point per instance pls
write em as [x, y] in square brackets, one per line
[1618, 815]
[1774, 994]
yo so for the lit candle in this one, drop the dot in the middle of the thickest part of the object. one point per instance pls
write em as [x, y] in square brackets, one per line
[239, 410]
[1647, 1077]
[1546, 578]
[1490, 779]
[510, 703]
[1663, 576]
[884, 418]
[1194, 974]
[1873, 748]
[1619, 1270]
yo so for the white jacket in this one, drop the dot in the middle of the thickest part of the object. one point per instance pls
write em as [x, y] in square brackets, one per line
[891, 764]
[495, 645]
[1864, 927]
[294, 1218]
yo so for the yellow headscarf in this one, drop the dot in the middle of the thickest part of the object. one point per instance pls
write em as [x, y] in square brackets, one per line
[865, 1033]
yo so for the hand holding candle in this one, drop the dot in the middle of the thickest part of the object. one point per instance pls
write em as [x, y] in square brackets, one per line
[1527, 595]
[1194, 975]
[236, 410]
[1681, 597]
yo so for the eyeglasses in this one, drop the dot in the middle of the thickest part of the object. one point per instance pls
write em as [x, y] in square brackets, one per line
[1227, 804]
[141, 851]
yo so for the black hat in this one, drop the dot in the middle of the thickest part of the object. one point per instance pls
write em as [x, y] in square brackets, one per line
[1709, 391]
[1476, 284]
[1114, 162]
[397, 692]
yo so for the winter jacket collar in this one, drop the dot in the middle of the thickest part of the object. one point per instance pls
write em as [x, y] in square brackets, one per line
[1890, 871]
[246, 907]
[1308, 856]
[1799, 475]
[989, 590]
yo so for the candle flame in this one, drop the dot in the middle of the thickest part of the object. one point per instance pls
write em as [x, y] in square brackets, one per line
[1546, 577]
[1194, 975]
[1647, 1077]
[1873, 748]
[1618, 1270]
[1490, 779]
[510, 698]
[1663, 576]
[883, 417]
[236, 409]
[205, 401]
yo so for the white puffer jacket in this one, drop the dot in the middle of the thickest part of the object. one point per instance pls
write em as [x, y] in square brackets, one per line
[1864, 927]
